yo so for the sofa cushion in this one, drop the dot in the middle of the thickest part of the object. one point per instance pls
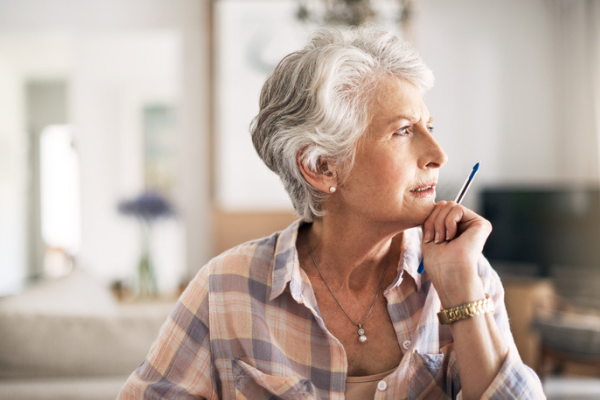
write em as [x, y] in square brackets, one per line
[63, 389]
[78, 293]
[53, 345]
[80, 331]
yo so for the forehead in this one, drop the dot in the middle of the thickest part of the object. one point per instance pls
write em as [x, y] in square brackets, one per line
[397, 99]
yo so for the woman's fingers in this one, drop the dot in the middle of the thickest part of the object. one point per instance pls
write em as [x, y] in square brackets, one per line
[428, 225]
[476, 229]
[447, 220]
[455, 216]
[460, 235]
[443, 224]
[435, 225]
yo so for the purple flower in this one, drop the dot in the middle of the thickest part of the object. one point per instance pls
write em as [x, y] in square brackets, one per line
[148, 206]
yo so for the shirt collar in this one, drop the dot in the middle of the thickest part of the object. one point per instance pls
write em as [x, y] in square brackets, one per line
[286, 265]
[411, 256]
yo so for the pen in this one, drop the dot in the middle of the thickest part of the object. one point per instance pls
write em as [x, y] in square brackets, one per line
[458, 200]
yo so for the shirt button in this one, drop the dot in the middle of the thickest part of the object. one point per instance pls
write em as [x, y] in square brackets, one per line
[406, 344]
[382, 385]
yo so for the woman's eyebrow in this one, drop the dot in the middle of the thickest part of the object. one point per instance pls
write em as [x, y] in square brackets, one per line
[409, 117]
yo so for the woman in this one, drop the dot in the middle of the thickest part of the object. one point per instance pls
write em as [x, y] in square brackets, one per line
[333, 306]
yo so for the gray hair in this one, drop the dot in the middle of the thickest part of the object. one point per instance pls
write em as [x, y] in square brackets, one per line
[316, 103]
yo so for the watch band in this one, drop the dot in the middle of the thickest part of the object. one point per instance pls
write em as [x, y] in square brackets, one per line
[466, 310]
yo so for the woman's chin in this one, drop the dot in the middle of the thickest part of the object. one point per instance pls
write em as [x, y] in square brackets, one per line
[413, 219]
[422, 213]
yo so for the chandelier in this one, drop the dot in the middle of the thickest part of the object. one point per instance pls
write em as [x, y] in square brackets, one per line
[354, 12]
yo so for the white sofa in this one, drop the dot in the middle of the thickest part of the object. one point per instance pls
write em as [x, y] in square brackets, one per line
[70, 339]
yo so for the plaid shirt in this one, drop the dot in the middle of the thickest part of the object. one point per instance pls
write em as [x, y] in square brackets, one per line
[248, 327]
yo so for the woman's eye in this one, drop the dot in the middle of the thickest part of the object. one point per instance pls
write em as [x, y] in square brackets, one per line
[402, 131]
[431, 129]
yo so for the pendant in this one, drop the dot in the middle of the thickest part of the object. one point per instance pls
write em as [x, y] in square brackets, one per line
[361, 334]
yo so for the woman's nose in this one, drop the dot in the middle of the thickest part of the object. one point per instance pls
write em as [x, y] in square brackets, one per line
[432, 155]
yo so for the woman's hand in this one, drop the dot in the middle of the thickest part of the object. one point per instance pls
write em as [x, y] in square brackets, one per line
[453, 238]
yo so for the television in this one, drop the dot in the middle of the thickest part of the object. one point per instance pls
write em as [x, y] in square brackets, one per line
[547, 227]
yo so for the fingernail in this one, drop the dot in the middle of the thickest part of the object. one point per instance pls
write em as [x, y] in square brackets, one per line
[447, 235]
[437, 237]
[428, 237]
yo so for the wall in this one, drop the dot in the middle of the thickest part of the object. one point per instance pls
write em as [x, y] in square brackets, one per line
[114, 75]
[494, 94]
[23, 56]
[97, 113]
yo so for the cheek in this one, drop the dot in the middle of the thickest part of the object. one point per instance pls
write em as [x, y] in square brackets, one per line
[383, 174]
[402, 178]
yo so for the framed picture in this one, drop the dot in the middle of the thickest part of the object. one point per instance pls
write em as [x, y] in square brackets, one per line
[160, 141]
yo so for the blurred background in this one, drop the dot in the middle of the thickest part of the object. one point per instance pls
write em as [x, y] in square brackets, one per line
[126, 164]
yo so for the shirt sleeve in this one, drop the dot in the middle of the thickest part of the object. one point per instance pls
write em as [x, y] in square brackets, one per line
[179, 364]
[514, 380]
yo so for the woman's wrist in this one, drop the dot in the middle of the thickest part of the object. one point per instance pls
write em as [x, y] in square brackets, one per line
[457, 292]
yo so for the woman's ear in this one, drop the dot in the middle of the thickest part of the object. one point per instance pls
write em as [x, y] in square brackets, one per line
[323, 179]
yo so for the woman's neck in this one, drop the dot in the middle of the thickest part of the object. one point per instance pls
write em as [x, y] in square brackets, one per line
[350, 253]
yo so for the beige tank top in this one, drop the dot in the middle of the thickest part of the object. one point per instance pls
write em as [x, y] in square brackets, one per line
[364, 387]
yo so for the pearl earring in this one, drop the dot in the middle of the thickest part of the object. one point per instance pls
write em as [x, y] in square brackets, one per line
[332, 189]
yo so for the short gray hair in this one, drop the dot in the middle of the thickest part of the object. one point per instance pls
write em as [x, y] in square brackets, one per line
[316, 102]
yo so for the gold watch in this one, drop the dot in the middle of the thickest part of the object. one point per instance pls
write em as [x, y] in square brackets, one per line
[467, 310]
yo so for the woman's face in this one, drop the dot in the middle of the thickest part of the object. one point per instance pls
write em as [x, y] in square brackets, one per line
[397, 161]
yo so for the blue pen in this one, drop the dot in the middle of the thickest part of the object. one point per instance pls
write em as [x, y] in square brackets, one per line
[458, 200]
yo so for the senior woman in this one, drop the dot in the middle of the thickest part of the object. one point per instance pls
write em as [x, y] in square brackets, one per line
[333, 306]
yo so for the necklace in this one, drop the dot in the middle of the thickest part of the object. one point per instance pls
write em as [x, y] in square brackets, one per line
[361, 331]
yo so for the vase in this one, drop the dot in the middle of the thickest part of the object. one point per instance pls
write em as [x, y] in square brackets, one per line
[145, 281]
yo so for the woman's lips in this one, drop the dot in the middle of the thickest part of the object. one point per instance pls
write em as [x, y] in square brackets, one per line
[426, 190]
